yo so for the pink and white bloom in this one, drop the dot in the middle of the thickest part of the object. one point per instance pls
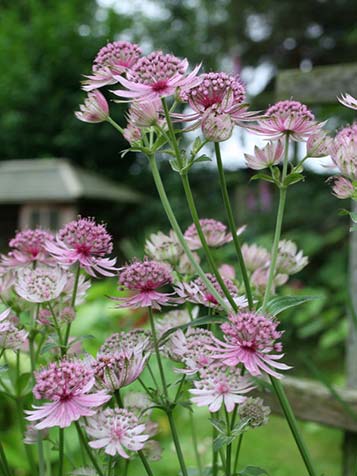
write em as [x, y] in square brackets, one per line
[138, 339]
[41, 284]
[227, 271]
[67, 384]
[144, 278]
[196, 291]
[287, 117]
[156, 76]
[269, 155]
[348, 101]
[343, 188]
[255, 257]
[142, 115]
[117, 431]
[216, 126]
[27, 247]
[132, 134]
[7, 280]
[215, 233]
[290, 260]
[113, 59]
[319, 145]
[251, 339]
[84, 242]
[95, 108]
[220, 386]
[344, 151]
[164, 247]
[10, 336]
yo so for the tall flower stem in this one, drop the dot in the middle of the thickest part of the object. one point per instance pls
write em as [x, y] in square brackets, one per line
[193, 209]
[157, 352]
[229, 447]
[236, 459]
[73, 302]
[176, 227]
[195, 445]
[177, 443]
[4, 465]
[88, 449]
[277, 386]
[232, 225]
[61, 451]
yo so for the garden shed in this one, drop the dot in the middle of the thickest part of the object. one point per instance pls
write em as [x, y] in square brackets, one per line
[51, 192]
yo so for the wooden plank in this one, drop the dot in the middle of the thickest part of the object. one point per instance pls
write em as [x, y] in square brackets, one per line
[312, 401]
[320, 85]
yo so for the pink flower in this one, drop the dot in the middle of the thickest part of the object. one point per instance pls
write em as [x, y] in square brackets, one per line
[348, 101]
[146, 114]
[319, 145]
[215, 233]
[218, 98]
[138, 339]
[117, 431]
[227, 271]
[287, 117]
[41, 284]
[84, 242]
[197, 292]
[144, 278]
[156, 76]
[119, 369]
[10, 336]
[113, 59]
[250, 339]
[164, 247]
[220, 386]
[7, 280]
[28, 247]
[269, 155]
[216, 126]
[132, 134]
[290, 260]
[343, 188]
[344, 151]
[95, 108]
[255, 257]
[67, 385]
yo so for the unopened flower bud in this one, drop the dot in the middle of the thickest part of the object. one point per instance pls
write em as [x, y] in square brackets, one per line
[342, 188]
[132, 133]
[319, 145]
[95, 108]
[68, 314]
[217, 127]
[254, 410]
[44, 317]
[152, 450]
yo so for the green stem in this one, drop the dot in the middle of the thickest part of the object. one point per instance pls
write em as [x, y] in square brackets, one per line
[174, 142]
[58, 329]
[4, 464]
[290, 417]
[196, 221]
[172, 219]
[232, 225]
[177, 443]
[214, 453]
[61, 450]
[182, 381]
[236, 459]
[195, 445]
[115, 125]
[279, 222]
[88, 449]
[73, 303]
[229, 447]
[157, 352]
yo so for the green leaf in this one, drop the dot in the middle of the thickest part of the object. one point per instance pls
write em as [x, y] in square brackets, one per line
[252, 471]
[222, 440]
[23, 383]
[293, 178]
[263, 176]
[202, 158]
[240, 427]
[218, 424]
[281, 303]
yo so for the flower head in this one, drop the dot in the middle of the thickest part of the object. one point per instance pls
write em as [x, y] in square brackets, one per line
[137, 339]
[290, 260]
[216, 126]
[287, 117]
[215, 233]
[147, 114]
[220, 386]
[28, 246]
[113, 59]
[41, 284]
[344, 151]
[269, 155]
[348, 101]
[164, 247]
[254, 410]
[144, 278]
[67, 385]
[84, 242]
[343, 188]
[156, 76]
[196, 291]
[319, 145]
[95, 108]
[251, 339]
[255, 257]
[117, 431]
[132, 133]
[10, 336]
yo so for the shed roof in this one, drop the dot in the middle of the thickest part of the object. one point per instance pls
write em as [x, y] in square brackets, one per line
[56, 180]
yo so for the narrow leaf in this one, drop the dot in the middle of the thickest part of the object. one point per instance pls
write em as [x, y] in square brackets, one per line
[281, 303]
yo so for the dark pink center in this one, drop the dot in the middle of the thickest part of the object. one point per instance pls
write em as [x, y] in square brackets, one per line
[160, 86]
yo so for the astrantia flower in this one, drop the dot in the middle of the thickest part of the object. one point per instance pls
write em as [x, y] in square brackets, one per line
[113, 59]
[147, 114]
[119, 369]
[117, 431]
[95, 108]
[319, 145]
[290, 260]
[132, 134]
[343, 188]
[172, 319]
[84, 242]
[287, 117]
[269, 155]
[227, 271]
[164, 247]
[220, 386]
[251, 339]
[10, 336]
[344, 151]
[41, 284]
[144, 278]
[218, 96]
[138, 339]
[28, 247]
[254, 410]
[215, 233]
[348, 101]
[259, 280]
[67, 385]
[7, 280]
[156, 76]
[255, 257]
[197, 292]
[216, 126]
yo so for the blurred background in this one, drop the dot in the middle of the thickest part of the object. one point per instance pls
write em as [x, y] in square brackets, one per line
[45, 48]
